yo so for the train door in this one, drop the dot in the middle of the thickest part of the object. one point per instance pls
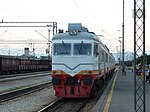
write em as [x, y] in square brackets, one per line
[103, 63]
[100, 59]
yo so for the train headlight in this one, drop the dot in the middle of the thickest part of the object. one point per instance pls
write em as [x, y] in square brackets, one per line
[78, 81]
[56, 81]
[87, 80]
[54, 72]
[89, 72]
[59, 72]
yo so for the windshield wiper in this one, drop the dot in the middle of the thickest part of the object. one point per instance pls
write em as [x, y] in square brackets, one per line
[80, 47]
[65, 47]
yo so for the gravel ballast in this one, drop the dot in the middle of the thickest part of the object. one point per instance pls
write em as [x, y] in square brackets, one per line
[31, 102]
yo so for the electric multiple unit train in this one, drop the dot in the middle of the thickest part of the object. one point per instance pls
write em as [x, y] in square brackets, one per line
[79, 61]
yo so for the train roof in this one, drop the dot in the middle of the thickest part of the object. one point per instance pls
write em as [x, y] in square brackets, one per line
[9, 56]
[77, 36]
[76, 32]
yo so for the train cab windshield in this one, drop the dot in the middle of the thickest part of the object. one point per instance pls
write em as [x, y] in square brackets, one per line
[75, 48]
[82, 49]
[62, 48]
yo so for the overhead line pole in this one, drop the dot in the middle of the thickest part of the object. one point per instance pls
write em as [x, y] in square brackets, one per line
[34, 24]
[123, 67]
[139, 50]
[48, 24]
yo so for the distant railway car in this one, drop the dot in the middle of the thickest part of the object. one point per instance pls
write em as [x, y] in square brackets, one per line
[45, 64]
[13, 64]
[24, 65]
[79, 61]
[8, 64]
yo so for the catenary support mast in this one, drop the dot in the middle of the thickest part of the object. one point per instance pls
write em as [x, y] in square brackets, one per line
[139, 50]
[33, 24]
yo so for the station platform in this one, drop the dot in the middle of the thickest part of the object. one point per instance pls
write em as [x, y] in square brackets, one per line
[119, 94]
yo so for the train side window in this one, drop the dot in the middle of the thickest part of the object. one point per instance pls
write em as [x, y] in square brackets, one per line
[95, 50]
[106, 58]
[103, 56]
[109, 59]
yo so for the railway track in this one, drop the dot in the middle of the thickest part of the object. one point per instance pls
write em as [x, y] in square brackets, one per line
[24, 74]
[23, 91]
[66, 105]
[76, 105]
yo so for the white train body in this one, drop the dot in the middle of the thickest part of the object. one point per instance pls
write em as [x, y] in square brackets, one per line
[78, 59]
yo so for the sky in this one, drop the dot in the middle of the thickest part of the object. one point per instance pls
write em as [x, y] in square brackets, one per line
[104, 17]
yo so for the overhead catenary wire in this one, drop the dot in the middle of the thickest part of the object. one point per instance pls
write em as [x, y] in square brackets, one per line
[10, 12]
[109, 35]
[87, 19]
[3, 33]
[83, 14]
[41, 34]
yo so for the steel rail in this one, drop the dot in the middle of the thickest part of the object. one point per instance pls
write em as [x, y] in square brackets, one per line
[20, 92]
[24, 74]
[71, 105]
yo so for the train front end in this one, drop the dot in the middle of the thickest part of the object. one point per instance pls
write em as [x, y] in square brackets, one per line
[72, 66]
[70, 80]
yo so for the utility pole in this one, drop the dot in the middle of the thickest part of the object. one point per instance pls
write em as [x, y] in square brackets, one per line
[49, 42]
[123, 67]
[49, 46]
[120, 61]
